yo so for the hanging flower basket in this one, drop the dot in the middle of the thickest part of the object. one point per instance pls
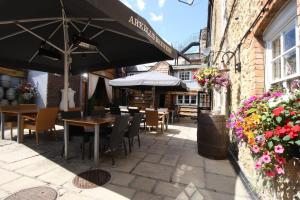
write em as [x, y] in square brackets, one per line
[211, 78]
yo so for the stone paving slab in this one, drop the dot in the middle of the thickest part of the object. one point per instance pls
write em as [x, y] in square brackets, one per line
[186, 174]
[155, 171]
[146, 196]
[219, 167]
[143, 184]
[7, 176]
[20, 184]
[168, 189]
[153, 158]
[164, 168]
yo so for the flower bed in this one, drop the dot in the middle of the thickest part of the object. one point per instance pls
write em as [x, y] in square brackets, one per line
[270, 125]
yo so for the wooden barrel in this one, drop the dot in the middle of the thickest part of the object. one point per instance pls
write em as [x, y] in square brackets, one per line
[212, 136]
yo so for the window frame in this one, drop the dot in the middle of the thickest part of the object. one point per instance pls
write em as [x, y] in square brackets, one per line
[183, 100]
[285, 21]
[189, 75]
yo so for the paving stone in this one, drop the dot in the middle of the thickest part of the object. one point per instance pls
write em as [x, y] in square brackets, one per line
[158, 149]
[137, 154]
[176, 142]
[156, 171]
[191, 192]
[119, 178]
[38, 168]
[154, 158]
[20, 184]
[211, 195]
[220, 183]
[146, 196]
[186, 174]
[144, 184]
[101, 193]
[191, 160]
[7, 176]
[125, 165]
[3, 194]
[58, 176]
[124, 191]
[18, 154]
[168, 189]
[219, 167]
[73, 196]
[169, 159]
[23, 163]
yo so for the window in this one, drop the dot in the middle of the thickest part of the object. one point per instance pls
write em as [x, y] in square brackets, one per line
[179, 99]
[282, 53]
[185, 75]
[187, 99]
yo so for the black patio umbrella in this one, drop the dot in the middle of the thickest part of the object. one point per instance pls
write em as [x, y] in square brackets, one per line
[75, 36]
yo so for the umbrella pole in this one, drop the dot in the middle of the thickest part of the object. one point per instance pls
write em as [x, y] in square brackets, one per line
[66, 61]
[153, 96]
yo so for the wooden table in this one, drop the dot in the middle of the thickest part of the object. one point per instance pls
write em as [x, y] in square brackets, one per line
[15, 110]
[94, 121]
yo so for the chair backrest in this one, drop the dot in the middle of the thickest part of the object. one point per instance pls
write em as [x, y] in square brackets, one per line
[118, 130]
[152, 117]
[28, 106]
[134, 128]
[115, 110]
[46, 118]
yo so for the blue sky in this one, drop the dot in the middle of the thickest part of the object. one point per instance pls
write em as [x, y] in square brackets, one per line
[175, 22]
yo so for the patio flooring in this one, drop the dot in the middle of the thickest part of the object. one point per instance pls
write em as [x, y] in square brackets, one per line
[165, 167]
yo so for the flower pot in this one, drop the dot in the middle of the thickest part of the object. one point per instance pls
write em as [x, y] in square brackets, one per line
[212, 136]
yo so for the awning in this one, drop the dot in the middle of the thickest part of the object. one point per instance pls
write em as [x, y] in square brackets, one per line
[147, 80]
[121, 36]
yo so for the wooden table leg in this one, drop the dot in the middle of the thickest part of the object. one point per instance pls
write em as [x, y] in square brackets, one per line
[96, 144]
[167, 122]
[2, 125]
[19, 128]
[66, 139]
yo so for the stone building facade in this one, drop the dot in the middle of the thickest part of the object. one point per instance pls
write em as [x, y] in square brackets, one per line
[264, 37]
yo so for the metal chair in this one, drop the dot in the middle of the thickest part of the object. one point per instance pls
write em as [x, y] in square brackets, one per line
[134, 130]
[113, 140]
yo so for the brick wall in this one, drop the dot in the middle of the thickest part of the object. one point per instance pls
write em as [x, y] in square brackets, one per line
[251, 79]
[56, 83]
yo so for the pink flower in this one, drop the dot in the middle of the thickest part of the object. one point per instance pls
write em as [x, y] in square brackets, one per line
[266, 158]
[279, 149]
[270, 173]
[258, 165]
[255, 149]
[279, 169]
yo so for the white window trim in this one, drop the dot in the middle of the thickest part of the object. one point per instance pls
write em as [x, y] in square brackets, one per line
[183, 100]
[190, 75]
[286, 19]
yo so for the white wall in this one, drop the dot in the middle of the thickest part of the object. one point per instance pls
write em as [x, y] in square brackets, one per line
[40, 80]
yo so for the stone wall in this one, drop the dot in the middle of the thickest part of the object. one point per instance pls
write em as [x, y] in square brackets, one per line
[250, 81]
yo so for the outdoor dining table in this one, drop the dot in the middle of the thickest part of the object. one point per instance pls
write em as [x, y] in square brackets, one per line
[18, 111]
[88, 121]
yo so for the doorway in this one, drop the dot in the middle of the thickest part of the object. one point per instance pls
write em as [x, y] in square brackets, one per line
[162, 100]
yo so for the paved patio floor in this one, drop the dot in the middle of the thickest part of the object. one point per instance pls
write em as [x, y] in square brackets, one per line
[165, 167]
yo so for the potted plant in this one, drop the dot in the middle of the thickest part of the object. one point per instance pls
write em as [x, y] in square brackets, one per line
[27, 92]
